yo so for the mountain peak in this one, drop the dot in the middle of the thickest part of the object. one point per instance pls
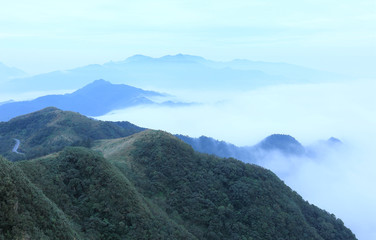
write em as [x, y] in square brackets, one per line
[49, 109]
[138, 58]
[102, 88]
[94, 99]
[55, 129]
[42, 112]
[182, 58]
[284, 143]
[167, 58]
[334, 141]
[99, 82]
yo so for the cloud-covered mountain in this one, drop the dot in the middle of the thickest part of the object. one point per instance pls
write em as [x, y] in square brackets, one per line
[97, 98]
[283, 143]
[277, 143]
[144, 186]
[178, 71]
[67, 129]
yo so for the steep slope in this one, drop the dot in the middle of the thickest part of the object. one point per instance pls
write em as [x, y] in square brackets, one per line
[51, 129]
[178, 71]
[98, 199]
[95, 99]
[25, 212]
[217, 198]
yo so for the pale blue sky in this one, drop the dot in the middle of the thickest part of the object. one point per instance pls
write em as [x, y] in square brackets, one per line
[40, 36]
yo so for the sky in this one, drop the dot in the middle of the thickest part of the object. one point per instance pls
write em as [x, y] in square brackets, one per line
[334, 35]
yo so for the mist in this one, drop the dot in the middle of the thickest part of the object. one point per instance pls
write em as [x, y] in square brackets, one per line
[26, 96]
[339, 180]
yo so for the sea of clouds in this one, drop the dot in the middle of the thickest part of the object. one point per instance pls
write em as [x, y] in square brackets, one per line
[340, 181]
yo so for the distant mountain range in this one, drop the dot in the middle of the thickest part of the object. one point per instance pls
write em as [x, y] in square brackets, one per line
[124, 182]
[276, 143]
[178, 71]
[95, 99]
[6, 102]
[8, 73]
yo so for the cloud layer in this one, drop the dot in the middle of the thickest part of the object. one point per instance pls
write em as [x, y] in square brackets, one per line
[340, 181]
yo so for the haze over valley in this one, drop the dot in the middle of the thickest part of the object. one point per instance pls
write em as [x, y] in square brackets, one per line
[187, 120]
[309, 111]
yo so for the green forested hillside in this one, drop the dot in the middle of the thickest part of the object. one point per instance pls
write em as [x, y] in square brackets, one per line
[25, 212]
[51, 129]
[98, 198]
[217, 198]
[149, 185]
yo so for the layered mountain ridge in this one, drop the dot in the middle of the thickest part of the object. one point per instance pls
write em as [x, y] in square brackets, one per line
[51, 129]
[95, 99]
[125, 182]
[283, 144]
[174, 72]
[56, 129]
[8, 73]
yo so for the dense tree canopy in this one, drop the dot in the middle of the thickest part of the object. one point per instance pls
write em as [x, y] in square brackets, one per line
[149, 185]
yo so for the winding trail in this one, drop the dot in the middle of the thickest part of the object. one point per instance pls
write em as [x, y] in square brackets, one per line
[15, 148]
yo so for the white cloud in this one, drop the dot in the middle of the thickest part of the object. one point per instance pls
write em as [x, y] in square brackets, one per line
[340, 182]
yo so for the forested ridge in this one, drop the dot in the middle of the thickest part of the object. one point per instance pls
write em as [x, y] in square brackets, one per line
[150, 185]
[25, 212]
[50, 130]
[218, 198]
